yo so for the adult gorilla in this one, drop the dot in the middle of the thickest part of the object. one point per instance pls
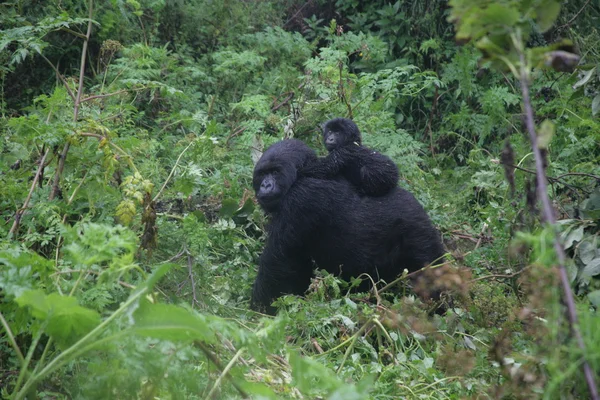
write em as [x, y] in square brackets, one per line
[327, 222]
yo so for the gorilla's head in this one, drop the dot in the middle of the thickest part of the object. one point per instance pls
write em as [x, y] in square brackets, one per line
[340, 132]
[276, 171]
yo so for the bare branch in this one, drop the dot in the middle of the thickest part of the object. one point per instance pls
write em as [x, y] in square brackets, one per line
[575, 16]
[100, 96]
[62, 78]
[63, 155]
[548, 215]
[19, 213]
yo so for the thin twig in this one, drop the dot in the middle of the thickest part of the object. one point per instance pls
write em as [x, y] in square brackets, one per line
[62, 78]
[64, 219]
[574, 17]
[485, 226]
[596, 177]
[190, 264]
[224, 373]
[493, 276]
[210, 355]
[548, 215]
[557, 179]
[12, 340]
[19, 213]
[100, 96]
[63, 155]
[172, 171]
[296, 13]
[75, 271]
[429, 121]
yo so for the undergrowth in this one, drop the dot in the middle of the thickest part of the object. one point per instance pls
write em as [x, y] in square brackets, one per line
[131, 235]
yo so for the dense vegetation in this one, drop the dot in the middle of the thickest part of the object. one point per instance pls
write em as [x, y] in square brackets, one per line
[130, 234]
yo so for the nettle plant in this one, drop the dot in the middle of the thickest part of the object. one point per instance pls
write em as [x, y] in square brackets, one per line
[501, 30]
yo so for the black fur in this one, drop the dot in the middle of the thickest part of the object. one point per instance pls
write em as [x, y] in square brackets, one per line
[328, 223]
[371, 173]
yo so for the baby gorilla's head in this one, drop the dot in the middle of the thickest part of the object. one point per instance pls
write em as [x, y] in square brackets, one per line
[339, 132]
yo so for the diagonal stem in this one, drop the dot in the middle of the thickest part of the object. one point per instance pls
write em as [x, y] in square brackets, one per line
[548, 216]
[65, 150]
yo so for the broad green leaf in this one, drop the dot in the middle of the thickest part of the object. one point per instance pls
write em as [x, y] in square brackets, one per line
[588, 249]
[590, 207]
[596, 105]
[171, 322]
[594, 297]
[592, 268]
[547, 14]
[545, 134]
[573, 236]
[499, 14]
[228, 208]
[571, 272]
[66, 321]
[586, 78]
[158, 274]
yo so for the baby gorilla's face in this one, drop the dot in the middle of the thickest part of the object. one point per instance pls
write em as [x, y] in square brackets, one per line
[331, 140]
[340, 132]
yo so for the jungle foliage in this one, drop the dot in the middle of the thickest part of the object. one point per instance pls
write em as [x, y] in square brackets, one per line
[130, 236]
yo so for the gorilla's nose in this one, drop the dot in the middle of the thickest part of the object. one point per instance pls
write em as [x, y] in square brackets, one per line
[266, 186]
[330, 139]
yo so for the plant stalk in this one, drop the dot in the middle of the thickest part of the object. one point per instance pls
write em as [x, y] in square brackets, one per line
[548, 217]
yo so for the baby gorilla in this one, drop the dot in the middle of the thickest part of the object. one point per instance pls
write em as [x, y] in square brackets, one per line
[370, 172]
[325, 223]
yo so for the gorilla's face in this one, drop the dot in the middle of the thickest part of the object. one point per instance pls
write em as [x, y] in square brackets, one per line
[340, 132]
[331, 139]
[276, 171]
[271, 182]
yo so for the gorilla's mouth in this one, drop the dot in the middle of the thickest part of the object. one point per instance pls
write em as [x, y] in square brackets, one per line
[269, 202]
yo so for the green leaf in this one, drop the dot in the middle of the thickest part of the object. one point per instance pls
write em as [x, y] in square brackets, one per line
[158, 274]
[594, 297]
[547, 13]
[545, 134]
[592, 269]
[573, 236]
[499, 14]
[170, 322]
[228, 208]
[586, 78]
[590, 207]
[66, 321]
[596, 105]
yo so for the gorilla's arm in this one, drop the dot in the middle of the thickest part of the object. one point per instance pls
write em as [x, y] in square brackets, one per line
[285, 266]
[370, 172]
[279, 274]
[378, 173]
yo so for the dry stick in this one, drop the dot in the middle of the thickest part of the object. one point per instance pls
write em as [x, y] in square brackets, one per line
[64, 219]
[225, 372]
[65, 151]
[558, 179]
[100, 96]
[75, 271]
[430, 119]
[213, 358]
[579, 174]
[62, 78]
[172, 172]
[575, 17]
[19, 213]
[548, 216]
[190, 264]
